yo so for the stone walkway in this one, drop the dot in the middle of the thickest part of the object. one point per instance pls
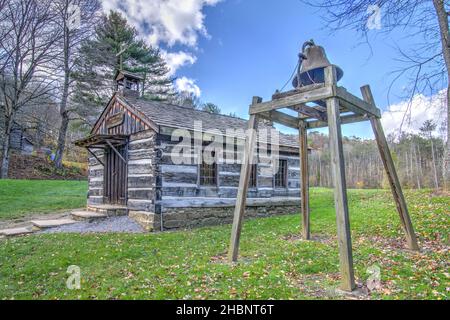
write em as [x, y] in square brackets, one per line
[78, 221]
[26, 221]
[121, 224]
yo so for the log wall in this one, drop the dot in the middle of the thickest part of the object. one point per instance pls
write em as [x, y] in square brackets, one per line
[161, 191]
[181, 202]
[95, 179]
[181, 180]
[141, 171]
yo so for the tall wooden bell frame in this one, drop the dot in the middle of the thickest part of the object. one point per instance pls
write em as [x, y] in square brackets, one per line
[342, 107]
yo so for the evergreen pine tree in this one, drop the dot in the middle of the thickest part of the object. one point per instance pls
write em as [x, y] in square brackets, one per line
[148, 62]
[116, 46]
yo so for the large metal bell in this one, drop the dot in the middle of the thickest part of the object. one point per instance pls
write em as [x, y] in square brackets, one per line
[313, 62]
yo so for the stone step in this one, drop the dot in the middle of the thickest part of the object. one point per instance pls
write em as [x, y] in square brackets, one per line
[44, 224]
[15, 232]
[87, 215]
[109, 210]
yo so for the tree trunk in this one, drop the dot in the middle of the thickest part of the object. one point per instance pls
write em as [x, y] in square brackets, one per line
[420, 161]
[407, 169]
[436, 182]
[61, 145]
[442, 16]
[446, 162]
[319, 180]
[416, 162]
[6, 150]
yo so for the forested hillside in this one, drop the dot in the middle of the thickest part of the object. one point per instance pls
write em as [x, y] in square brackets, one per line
[418, 158]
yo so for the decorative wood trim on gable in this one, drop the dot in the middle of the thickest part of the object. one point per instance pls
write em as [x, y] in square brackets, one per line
[120, 117]
[139, 114]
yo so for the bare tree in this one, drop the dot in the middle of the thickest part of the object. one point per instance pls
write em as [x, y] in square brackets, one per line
[428, 64]
[5, 28]
[187, 99]
[427, 130]
[443, 15]
[26, 50]
[364, 169]
[77, 19]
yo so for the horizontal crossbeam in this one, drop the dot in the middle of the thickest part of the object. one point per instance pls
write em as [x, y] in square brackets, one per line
[347, 119]
[300, 97]
[281, 118]
[355, 104]
[279, 95]
[293, 122]
[310, 112]
[297, 99]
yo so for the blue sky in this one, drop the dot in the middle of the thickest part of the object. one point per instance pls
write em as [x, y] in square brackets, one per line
[241, 48]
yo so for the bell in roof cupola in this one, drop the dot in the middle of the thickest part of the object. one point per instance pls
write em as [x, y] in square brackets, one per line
[129, 84]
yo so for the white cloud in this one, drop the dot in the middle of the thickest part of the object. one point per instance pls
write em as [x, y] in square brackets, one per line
[170, 22]
[167, 21]
[184, 84]
[414, 113]
[175, 60]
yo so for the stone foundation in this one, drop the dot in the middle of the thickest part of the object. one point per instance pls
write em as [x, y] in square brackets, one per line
[146, 220]
[188, 218]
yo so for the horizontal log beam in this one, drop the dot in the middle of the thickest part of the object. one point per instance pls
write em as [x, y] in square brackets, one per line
[299, 97]
[284, 119]
[355, 104]
[280, 95]
[344, 120]
[296, 99]
[310, 112]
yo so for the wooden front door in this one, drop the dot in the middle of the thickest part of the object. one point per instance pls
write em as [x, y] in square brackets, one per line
[115, 184]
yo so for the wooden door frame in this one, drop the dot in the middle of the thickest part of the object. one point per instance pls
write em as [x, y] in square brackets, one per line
[109, 151]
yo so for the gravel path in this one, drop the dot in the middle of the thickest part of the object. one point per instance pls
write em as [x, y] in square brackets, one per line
[112, 224]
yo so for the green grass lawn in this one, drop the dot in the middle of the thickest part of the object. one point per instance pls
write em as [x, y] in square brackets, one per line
[23, 197]
[274, 263]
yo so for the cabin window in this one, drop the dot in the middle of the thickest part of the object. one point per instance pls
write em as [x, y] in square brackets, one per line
[281, 175]
[253, 176]
[208, 173]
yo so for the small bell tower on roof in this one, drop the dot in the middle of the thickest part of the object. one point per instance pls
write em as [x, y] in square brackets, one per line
[129, 84]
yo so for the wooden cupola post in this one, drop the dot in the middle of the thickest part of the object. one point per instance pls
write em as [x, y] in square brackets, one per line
[333, 106]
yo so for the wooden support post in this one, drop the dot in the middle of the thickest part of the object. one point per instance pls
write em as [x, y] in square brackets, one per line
[340, 189]
[391, 173]
[239, 209]
[304, 172]
[116, 152]
[95, 156]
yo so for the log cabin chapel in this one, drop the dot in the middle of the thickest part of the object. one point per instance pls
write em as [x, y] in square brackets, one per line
[131, 170]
